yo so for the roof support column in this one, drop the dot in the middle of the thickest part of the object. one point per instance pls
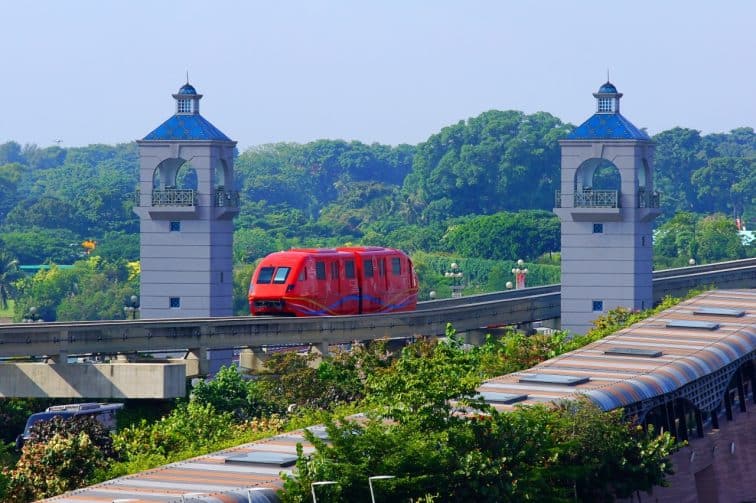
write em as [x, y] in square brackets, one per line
[728, 404]
[699, 424]
[741, 389]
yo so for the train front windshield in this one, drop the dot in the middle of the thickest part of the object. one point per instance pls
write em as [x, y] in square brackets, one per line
[274, 275]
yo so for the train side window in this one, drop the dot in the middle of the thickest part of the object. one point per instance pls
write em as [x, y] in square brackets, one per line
[349, 268]
[266, 274]
[281, 274]
[303, 274]
[382, 267]
[320, 270]
[367, 264]
[396, 266]
[334, 270]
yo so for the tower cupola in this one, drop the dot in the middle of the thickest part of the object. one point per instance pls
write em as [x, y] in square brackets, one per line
[607, 99]
[187, 100]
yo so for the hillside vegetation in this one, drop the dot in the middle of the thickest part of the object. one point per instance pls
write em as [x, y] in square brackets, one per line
[478, 190]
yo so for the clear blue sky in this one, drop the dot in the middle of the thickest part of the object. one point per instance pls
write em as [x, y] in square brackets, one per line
[388, 71]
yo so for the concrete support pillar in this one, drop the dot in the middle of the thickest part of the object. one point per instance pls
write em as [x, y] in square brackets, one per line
[320, 350]
[196, 361]
[715, 419]
[475, 337]
[60, 359]
[252, 359]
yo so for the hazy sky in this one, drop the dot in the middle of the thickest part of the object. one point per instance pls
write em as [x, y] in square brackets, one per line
[388, 71]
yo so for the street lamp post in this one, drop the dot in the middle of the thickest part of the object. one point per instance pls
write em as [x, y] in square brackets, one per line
[320, 483]
[377, 477]
[131, 308]
[455, 274]
[519, 273]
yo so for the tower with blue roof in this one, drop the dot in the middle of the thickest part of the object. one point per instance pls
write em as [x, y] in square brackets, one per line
[186, 205]
[607, 206]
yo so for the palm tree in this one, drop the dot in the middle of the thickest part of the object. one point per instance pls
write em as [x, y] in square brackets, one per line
[8, 274]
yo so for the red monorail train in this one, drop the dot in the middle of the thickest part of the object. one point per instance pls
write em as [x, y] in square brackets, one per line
[333, 281]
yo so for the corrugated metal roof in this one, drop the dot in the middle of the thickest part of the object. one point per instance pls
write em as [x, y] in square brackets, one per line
[614, 381]
[687, 354]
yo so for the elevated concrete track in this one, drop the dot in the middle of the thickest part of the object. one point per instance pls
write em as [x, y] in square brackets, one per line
[59, 340]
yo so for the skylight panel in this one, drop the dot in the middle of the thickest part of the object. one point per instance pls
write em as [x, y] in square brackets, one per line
[501, 398]
[264, 458]
[645, 353]
[719, 311]
[699, 325]
[554, 379]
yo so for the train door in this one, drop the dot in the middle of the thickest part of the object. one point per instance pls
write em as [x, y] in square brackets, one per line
[352, 289]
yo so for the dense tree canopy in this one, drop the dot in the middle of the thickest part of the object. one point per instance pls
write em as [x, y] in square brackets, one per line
[496, 161]
[473, 190]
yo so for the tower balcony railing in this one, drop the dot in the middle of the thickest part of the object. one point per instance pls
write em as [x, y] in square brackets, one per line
[174, 197]
[226, 198]
[589, 198]
[647, 199]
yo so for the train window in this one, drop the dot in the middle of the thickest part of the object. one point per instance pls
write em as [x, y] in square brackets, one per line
[382, 267]
[334, 270]
[349, 268]
[320, 270]
[281, 274]
[303, 274]
[367, 264]
[266, 274]
[396, 266]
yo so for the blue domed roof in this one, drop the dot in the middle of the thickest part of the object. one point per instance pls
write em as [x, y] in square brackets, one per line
[187, 89]
[607, 88]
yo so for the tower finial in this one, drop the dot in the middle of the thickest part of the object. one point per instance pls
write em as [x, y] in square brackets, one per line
[607, 76]
[187, 76]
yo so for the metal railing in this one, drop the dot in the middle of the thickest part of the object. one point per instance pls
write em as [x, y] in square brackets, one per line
[226, 198]
[174, 197]
[588, 198]
[647, 199]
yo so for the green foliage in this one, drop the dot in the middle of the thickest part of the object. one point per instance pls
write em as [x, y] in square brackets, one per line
[190, 426]
[479, 274]
[704, 239]
[572, 452]
[229, 392]
[44, 431]
[418, 386]
[9, 274]
[39, 246]
[61, 455]
[93, 289]
[506, 236]
[493, 162]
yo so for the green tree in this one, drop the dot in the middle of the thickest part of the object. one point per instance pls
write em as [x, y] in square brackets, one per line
[717, 239]
[678, 155]
[493, 162]
[9, 274]
[506, 236]
[728, 183]
[61, 455]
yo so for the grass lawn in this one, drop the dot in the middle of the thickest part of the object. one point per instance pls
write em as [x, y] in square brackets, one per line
[6, 315]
